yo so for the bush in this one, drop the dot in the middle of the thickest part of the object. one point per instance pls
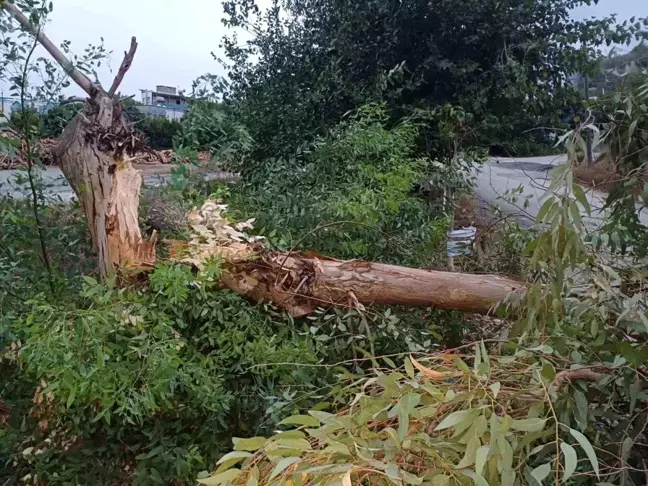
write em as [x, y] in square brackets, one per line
[349, 196]
[207, 126]
[25, 121]
[55, 120]
[164, 373]
[159, 131]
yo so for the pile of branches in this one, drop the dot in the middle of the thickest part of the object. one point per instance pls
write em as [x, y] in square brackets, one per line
[43, 151]
[448, 418]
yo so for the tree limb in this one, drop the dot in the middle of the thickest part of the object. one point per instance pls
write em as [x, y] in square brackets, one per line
[79, 78]
[568, 376]
[125, 66]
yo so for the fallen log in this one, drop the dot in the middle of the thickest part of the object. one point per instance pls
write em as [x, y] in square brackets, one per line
[300, 283]
[93, 154]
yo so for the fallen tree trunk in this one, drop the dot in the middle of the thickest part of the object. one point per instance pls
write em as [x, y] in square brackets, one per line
[300, 284]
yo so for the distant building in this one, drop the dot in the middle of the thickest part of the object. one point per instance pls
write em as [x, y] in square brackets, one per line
[9, 105]
[163, 101]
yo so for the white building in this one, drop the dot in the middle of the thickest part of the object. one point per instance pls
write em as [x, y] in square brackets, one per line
[163, 101]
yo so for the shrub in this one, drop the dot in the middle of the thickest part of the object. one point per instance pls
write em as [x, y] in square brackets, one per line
[207, 126]
[25, 121]
[350, 195]
[159, 131]
[55, 120]
[164, 373]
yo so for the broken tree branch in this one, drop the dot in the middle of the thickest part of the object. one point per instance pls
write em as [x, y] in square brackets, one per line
[77, 76]
[300, 283]
[567, 376]
[125, 66]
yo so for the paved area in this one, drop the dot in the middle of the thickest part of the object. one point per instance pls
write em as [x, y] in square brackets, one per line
[14, 183]
[533, 175]
[494, 179]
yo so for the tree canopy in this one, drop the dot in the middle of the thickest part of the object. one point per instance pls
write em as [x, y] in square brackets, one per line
[504, 61]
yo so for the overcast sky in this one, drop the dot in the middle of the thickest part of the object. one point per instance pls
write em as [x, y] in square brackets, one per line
[176, 38]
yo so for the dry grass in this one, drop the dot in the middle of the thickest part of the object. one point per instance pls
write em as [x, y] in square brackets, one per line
[470, 213]
[499, 244]
[602, 175]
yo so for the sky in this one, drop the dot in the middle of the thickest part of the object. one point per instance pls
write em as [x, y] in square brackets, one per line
[176, 38]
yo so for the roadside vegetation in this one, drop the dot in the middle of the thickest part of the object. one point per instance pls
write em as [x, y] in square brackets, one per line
[355, 128]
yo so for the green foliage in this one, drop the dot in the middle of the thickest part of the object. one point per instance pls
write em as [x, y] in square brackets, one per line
[25, 121]
[435, 424]
[159, 131]
[311, 61]
[132, 113]
[349, 196]
[207, 126]
[144, 369]
[55, 120]
[625, 138]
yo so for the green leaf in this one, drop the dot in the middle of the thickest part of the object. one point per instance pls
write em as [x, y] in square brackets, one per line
[587, 447]
[282, 465]
[495, 388]
[541, 472]
[301, 420]
[222, 478]
[480, 459]
[253, 444]
[410, 478]
[298, 444]
[581, 412]
[571, 460]
[409, 369]
[456, 418]
[544, 210]
[70, 399]
[239, 455]
[461, 365]
[403, 423]
[393, 436]
[471, 453]
[529, 425]
[582, 198]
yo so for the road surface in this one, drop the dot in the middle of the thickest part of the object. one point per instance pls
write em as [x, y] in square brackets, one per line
[533, 175]
[493, 179]
[14, 183]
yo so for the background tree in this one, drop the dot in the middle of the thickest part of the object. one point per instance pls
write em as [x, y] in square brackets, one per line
[505, 62]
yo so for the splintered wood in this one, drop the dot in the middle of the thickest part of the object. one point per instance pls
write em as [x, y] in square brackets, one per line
[299, 283]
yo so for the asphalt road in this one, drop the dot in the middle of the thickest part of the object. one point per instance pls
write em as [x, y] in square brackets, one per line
[13, 183]
[494, 179]
[533, 175]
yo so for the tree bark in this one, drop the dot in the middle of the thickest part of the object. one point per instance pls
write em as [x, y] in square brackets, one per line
[92, 153]
[300, 284]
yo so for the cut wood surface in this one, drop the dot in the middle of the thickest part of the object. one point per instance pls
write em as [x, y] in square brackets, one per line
[108, 188]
